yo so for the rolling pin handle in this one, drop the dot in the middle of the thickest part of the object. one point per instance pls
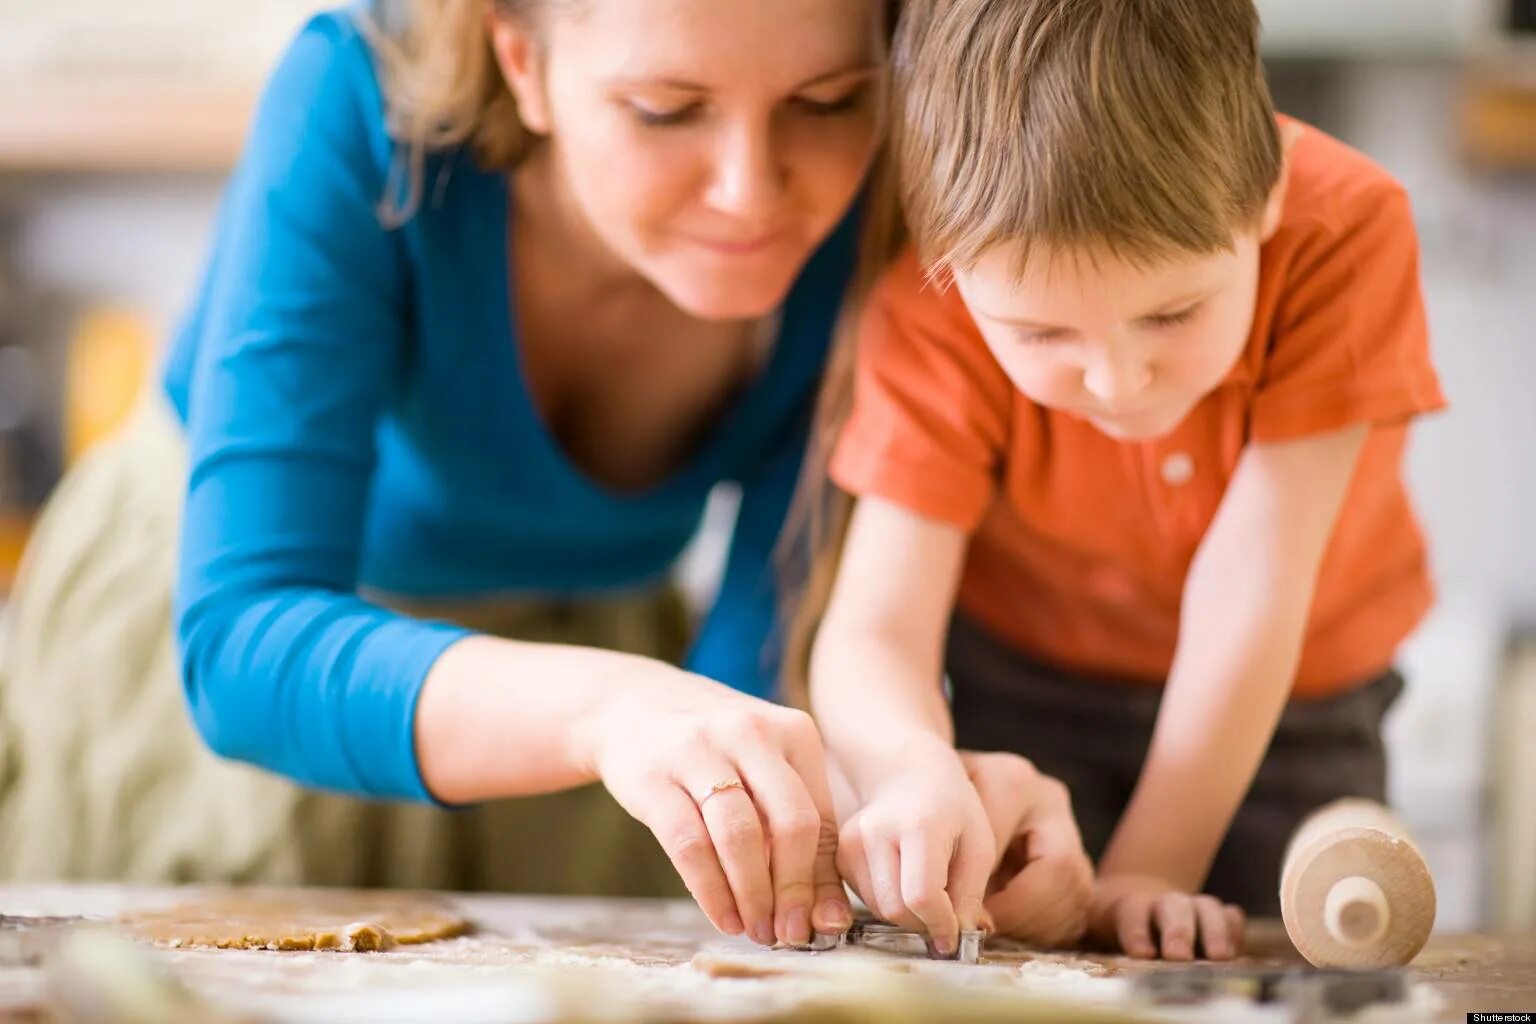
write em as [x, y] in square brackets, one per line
[1356, 912]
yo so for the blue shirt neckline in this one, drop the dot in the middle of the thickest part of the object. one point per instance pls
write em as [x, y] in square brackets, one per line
[706, 461]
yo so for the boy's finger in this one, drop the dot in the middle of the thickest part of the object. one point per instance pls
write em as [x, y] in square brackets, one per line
[924, 877]
[970, 869]
[1174, 915]
[1037, 907]
[853, 865]
[1217, 940]
[1133, 917]
[1237, 922]
[1051, 825]
[885, 881]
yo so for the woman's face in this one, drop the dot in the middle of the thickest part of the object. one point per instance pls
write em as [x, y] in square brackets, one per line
[710, 146]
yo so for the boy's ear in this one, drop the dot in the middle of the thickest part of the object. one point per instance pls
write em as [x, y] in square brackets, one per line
[522, 64]
[1274, 206]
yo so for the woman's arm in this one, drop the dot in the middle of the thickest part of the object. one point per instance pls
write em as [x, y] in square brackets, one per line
[301, 341]
[505, 718]
[1245, 610]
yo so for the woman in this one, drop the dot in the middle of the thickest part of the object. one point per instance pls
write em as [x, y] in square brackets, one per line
[498, 294]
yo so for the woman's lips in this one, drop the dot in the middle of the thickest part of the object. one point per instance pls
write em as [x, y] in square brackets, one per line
[740, 247]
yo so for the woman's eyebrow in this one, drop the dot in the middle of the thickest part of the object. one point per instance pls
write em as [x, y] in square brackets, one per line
[685, 85]
[863, 69]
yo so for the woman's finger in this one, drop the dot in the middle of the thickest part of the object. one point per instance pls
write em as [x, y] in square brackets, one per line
[1217, 940]
[731, 815]
[673, 817]
[829, 910]
[794, 838]
[1174, 916]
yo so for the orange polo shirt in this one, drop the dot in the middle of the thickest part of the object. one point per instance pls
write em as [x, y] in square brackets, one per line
[1080, 544]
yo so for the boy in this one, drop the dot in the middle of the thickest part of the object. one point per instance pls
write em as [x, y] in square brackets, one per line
[1132, 414]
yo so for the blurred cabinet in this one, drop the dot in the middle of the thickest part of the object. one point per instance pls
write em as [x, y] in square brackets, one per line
[1521, 16]
[196, 39]
[104, 105]
[1515, 793]
[1375, 28]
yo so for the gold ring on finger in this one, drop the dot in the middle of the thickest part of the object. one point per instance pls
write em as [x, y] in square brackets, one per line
[722, 787]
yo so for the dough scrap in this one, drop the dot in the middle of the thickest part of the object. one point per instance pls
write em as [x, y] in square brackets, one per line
[322, 919]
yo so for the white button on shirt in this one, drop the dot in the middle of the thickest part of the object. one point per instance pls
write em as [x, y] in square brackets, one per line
[1178, 468]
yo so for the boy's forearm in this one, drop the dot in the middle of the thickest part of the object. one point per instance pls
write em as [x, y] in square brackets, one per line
[874, 701]
[1241, 629]
[878, 662]
[1224, 698]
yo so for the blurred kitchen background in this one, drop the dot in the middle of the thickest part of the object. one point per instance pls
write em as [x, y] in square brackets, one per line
[118, 122]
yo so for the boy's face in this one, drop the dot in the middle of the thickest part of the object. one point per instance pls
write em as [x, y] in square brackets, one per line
[1129, 349]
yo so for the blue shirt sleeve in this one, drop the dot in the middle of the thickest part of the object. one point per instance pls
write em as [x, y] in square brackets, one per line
[739, 642]
[302, 335]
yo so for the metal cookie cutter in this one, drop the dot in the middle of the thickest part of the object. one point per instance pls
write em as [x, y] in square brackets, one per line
[873, 934]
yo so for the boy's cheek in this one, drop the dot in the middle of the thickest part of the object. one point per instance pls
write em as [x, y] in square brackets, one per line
[1043, 380]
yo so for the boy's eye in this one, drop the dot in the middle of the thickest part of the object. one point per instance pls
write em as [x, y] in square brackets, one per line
[1174, 319]
[661, 117]
[1042, 337]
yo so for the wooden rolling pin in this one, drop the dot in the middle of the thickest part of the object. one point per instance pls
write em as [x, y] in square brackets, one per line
[1354, 891]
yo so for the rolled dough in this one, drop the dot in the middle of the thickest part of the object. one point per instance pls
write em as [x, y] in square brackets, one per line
[339, 919]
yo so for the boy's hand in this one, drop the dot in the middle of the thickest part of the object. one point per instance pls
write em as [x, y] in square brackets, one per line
[919, 850]
[1135, 913]
[1042, 879]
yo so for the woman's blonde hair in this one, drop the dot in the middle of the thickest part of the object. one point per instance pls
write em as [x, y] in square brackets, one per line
[443, 88]
[818, 518]
[1140, 127]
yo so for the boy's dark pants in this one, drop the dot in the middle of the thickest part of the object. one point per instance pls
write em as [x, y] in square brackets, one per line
[1093, 734]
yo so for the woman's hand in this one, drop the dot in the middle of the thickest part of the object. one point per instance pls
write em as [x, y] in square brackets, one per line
[1042, 878]
[918, 848]
[735, 789]
[1147, 917]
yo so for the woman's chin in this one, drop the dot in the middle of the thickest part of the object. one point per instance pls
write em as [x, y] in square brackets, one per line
[725, 296]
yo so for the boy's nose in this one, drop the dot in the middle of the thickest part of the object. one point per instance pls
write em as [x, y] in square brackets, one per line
[1116, 380]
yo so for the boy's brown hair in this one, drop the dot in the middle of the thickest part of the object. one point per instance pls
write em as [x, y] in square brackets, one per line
[1141, 128]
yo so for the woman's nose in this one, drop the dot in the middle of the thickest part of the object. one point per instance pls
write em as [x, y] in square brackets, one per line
[747, 180]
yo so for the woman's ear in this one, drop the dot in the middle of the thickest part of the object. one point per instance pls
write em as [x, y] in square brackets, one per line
[521, 60]
[1274, 206]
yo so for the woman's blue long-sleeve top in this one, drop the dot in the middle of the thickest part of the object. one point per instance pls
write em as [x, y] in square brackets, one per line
[357, 418]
